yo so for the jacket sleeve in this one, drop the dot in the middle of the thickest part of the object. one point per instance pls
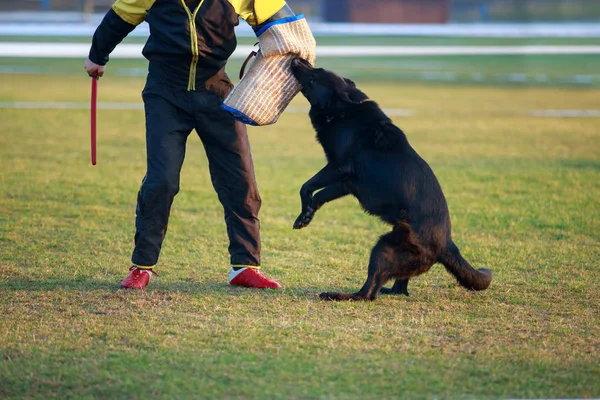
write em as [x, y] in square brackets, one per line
[118, 22]
[256, 12]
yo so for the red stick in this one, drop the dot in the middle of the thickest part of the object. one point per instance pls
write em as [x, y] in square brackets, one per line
[93, 117]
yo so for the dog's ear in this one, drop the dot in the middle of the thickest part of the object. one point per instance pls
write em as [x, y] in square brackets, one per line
[353, 96]
[350, 82]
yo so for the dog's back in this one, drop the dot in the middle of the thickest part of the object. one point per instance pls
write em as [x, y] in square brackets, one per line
[390, 180]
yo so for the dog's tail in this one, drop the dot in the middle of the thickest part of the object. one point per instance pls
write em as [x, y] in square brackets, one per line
[467, 276]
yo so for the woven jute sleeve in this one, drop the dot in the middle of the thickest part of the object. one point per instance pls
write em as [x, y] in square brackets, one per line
[268, 86]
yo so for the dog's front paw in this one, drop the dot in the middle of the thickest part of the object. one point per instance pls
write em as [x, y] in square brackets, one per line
[304, 218]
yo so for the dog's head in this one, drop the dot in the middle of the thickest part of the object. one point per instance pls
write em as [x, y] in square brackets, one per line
[324, 89]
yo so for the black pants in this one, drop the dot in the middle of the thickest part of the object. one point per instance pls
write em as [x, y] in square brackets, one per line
[171, 114]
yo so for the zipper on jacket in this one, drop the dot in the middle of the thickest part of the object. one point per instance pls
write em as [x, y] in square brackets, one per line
[193, 43]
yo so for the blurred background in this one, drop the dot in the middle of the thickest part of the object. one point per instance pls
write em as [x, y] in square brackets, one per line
[508, 42]
[390, 11]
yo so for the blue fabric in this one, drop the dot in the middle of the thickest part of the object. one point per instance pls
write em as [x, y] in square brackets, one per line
[279, 21]
[239, 116]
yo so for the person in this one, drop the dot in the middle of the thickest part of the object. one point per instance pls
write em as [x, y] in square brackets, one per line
[189, 44]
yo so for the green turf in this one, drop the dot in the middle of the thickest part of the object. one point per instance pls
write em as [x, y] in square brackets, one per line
[532, 70]
[524, 199]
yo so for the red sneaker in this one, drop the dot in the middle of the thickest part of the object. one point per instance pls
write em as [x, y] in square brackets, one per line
[251, 277]
[138, 278]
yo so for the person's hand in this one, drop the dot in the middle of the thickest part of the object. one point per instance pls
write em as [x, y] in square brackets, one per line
[94, 69]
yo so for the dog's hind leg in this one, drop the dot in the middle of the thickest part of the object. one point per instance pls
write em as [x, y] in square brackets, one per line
[400, 287]
[383, 263]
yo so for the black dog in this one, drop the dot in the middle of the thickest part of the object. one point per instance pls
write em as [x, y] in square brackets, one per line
[370, 158]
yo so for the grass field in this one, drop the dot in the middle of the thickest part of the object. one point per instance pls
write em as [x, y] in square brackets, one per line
[523, 194]
[532, 70]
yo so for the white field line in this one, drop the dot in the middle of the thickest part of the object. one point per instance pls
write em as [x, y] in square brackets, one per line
[392, 112]
[22, 24]
[81, 50]
[565, 113]
[367, 51]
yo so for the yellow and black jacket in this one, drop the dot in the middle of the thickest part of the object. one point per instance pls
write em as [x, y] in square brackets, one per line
[190, 40]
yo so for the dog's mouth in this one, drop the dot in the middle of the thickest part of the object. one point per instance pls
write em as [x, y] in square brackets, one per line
[302, 71]
[299, 66]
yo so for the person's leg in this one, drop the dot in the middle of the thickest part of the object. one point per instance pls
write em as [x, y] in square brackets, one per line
[232, 174]
[168, 125]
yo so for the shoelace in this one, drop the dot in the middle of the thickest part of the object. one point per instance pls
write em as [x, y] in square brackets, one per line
[137, 276]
